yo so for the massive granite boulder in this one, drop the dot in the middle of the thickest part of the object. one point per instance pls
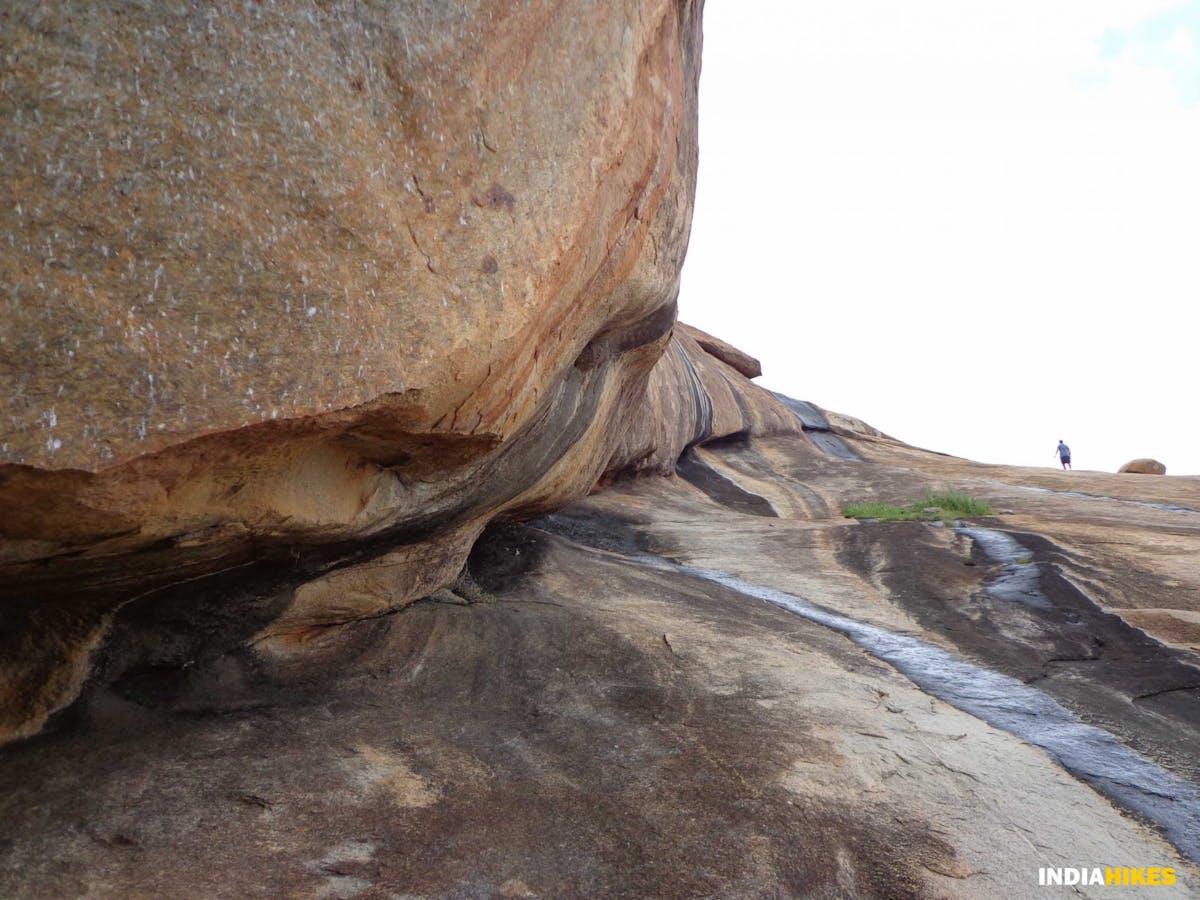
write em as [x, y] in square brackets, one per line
[297, 299]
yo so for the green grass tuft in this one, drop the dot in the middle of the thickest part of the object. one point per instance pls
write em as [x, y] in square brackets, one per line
[958, 503]
[946, 507]
[881, 511]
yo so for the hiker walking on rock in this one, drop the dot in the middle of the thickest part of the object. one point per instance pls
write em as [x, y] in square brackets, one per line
[1064, 454]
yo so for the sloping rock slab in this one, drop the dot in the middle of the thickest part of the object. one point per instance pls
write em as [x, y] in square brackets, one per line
[736, 359]
[532, 744]
[817, 426]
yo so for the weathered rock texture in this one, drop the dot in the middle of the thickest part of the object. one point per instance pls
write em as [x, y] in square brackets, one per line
[221, 217]
[289, 288]
[695, 395]
[740, 360]
[1143, 467]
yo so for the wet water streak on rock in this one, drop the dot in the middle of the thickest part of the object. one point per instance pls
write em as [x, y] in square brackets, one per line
[1090, 753]
[1019, 581]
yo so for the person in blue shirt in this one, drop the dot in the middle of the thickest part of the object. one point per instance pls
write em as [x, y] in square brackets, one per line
[1064, 454]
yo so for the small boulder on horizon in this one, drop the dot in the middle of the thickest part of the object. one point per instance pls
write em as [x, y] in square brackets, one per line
[1143, 467]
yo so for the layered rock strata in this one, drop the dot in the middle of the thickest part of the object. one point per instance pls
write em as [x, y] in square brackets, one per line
[695, 394]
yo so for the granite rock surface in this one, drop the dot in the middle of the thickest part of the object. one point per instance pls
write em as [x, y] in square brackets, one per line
[290, 289]
[1143, 467]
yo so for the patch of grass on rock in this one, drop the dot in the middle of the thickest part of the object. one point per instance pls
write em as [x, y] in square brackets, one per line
[882, 511]
[944, 506]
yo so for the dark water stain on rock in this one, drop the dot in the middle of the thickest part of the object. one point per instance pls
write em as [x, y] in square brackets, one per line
[1088, 752]
[1106, 671]
[721, 489]
[498, 197]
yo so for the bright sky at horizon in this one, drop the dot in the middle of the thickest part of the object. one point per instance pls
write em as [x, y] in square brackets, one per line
[974, 226]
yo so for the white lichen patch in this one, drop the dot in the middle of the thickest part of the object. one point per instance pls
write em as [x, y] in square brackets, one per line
[374, 770]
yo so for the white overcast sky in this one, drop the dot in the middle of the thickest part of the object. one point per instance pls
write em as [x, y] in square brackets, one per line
[975, 225]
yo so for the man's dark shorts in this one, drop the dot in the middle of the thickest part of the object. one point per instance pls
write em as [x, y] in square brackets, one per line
[1066, 460]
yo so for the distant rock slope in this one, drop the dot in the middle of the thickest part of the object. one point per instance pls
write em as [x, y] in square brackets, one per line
[295, 288]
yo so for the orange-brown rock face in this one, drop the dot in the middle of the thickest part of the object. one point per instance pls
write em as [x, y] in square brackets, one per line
[696, 395]
[733, 357]
[290, 290]
[1143, 467]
